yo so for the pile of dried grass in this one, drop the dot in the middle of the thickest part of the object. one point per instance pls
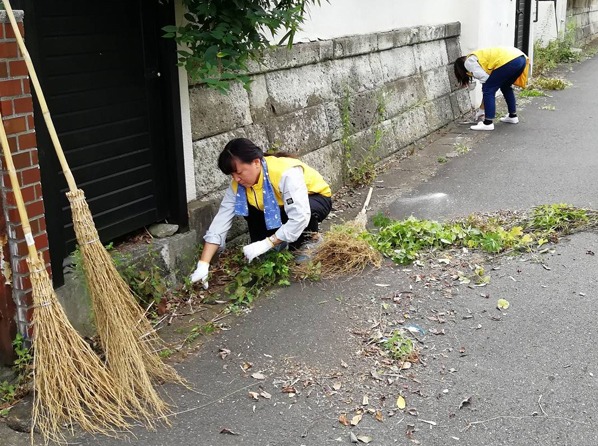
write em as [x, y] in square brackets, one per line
[343, 252]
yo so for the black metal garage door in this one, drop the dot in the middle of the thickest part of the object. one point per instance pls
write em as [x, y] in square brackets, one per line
[107, 81]
[522, 24]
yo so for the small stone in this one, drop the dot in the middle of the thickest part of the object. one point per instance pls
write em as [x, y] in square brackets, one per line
[162, 230]
[19, 417]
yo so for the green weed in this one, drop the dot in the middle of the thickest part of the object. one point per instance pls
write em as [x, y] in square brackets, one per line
[556, 52]
[553, 218]
[11, 391]
[461, 148]
[398, 346]
[442, 160]
[362, 172]
[531, 93]
[403, 240]
[248, 282]
[550, 83]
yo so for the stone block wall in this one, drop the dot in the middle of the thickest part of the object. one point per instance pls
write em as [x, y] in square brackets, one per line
[583, 14]
[298, 96]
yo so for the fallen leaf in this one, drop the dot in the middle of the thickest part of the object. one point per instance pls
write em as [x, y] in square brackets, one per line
[379, 416]
[289, 390]
[254, 395]
[503, 304]
[466, 402]
[247, 366]
[258, 376]
[343, 420]
[406, 365]
[365, 439]
[353, 437]
[366, 400]
[337, 386]
[375, 375]
[356, 419]
[228, 431]
[401, 402]
[265, 394]
[224, 352]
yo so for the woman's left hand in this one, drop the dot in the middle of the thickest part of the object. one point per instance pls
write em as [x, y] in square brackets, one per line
[257, 249]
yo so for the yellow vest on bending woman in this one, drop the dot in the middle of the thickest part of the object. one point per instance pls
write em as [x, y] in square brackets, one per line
[276, 167]
[492, 58]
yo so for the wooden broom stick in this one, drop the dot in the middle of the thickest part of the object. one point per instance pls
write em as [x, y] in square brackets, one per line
[41, 98]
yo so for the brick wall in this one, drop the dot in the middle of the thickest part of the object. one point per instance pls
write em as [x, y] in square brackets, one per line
[17, 111]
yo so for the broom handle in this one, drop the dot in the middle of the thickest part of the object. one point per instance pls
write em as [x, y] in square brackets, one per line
[42, 100]
[17, 191]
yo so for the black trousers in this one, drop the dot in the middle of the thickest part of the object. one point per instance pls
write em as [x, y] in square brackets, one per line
[320, 208]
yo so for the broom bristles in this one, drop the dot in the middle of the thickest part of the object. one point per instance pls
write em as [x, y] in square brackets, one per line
[126, 335]
[71, 384]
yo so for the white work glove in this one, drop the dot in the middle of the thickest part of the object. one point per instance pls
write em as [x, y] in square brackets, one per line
[201, 274]
[257, 249]
[480, 113]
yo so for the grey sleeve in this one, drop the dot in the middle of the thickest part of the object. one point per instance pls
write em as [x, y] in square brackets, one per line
[473, 66]
[296, 205]
[223, 221]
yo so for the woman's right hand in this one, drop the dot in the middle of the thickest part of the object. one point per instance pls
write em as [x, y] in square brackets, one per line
[201, 273]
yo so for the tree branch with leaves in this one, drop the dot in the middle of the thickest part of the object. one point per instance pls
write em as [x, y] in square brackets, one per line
[221, 36]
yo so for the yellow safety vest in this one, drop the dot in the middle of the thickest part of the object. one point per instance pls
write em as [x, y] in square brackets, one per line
[276, 167]
[492, 58]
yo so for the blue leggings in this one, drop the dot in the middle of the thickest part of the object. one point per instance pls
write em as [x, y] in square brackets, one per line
[503, 77]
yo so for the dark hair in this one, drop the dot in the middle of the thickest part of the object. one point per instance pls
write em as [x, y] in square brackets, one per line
[461, 72]
[239, 149]
[244, 150]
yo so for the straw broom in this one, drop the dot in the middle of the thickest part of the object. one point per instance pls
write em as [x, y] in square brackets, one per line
[70, 382]
[126, 335]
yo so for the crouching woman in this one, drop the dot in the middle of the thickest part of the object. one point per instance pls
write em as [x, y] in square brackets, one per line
[281, 198]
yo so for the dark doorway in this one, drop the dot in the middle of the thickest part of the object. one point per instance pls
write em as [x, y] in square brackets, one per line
[111, 84]
[523, 13]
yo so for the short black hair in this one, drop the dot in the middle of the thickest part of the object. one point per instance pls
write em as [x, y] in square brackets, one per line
[461, 72]
[239, 149]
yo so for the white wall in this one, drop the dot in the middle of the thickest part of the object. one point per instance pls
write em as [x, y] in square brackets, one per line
[483, 22]
[545, 28]
[186, 117]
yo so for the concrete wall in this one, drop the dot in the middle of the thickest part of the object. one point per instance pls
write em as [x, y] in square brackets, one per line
[484, 22]
[547, 27]
[296, 101]
[583, 16]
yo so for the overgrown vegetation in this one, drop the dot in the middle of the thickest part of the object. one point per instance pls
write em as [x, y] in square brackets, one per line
[248, 280]
[220, 38]
[362, 171]
[550, 83]
[10, 392]
[557, 51]
[404, 240]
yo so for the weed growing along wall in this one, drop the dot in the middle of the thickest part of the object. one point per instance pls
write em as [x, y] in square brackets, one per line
[331, 101]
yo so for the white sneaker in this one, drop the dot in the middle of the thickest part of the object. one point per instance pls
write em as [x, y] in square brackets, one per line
[481, 126]
[510, 120]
